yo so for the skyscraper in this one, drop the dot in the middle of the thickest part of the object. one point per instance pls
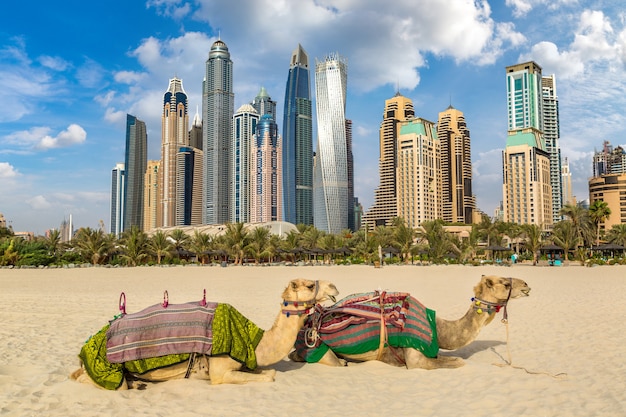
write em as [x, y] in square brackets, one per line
[331, 198]
[566, 175]
[551, 135]
[418, 175]
[298, 142]
[385, 208]
[456, 167]
[117, 199]
[188, 188]
[135, 165]
[524, 96]
[151, 207]
[527, 190]
[244, 128]
[217, 109]
[263, 104]
[266, 172]
[174, 135]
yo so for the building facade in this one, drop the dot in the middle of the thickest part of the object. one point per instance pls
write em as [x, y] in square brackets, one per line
[526, 185]
[218, 101]
[418, 177]
[118, 175]
[551, 135]
[609, 160]
[266, 172]
[245, 123]
[298, 142]
[135, 164]
[397, 109]
[610, 188]
[331, 200]
[174, 135]
[566, 181]
[456, 167]
[527, 174]
[188, 189]
[151, 207]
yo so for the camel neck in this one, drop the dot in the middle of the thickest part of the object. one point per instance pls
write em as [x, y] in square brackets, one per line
[454, 334]
[278, 341]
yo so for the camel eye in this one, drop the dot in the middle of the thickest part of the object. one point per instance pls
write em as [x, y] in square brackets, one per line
[507, 285]
[311, 287]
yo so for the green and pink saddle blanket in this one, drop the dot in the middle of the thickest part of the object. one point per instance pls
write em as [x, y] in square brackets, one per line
[353, 326]
[162, 335]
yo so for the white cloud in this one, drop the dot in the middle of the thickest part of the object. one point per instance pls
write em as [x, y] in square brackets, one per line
[39, 137]
[7, 171]
[54, 62]
[128, 77]
[90, 74]
[39, 202]
[522, 7]
[73, 135]
[114, 116]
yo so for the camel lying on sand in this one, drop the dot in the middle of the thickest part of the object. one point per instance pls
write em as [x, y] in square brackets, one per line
[327, 339]
[300, 296]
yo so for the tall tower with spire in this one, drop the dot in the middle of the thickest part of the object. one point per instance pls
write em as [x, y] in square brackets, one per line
[218, 102]
[298, 142]
[397, 109]
[174, 135]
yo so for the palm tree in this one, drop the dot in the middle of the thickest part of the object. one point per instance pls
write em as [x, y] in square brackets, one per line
[160, 245]
[200, 244]
[53, 242]
[489, 231]
[403, 236]
[579, 217]
[564, 235]
[92, 244]
[236, 239]
[134, 242]
[599, 212]
[180, 238]
[439, 241]
[617, 234]
[533, 240]
[259, 244]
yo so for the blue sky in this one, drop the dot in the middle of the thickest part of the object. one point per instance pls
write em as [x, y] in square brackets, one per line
[71, 70]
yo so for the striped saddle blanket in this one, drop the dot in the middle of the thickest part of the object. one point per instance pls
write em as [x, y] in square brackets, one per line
[353, 326]
[158, 331]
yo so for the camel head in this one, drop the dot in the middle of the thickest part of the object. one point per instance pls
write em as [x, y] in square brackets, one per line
[307, 293]
[499, 290]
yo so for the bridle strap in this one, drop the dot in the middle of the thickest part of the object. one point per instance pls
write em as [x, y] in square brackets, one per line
[495, 306]
[306, 304]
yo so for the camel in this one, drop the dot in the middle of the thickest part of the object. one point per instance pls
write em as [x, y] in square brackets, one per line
[491, 295]
[299, 297]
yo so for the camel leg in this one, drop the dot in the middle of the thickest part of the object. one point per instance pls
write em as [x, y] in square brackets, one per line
[224, 370]
[329, 359]
[83, 377]
[415, 359]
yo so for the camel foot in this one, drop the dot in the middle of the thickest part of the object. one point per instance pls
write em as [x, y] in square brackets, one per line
[294, 357]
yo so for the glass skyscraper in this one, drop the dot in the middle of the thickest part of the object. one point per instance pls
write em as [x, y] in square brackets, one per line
[218, 101]
[135, 163]
[244, 127]
[298, 142]
[331, 183]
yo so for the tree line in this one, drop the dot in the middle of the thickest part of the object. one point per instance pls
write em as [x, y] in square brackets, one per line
[431, 242]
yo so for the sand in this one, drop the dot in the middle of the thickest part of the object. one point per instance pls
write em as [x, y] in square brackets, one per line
[566, 342]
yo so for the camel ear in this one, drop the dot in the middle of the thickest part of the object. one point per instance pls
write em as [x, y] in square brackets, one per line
[295, 284]
[489, 283]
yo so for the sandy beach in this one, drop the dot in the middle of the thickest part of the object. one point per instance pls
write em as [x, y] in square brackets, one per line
[566, 342]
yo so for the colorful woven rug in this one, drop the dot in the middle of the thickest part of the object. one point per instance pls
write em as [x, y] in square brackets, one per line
[352, 326]
[232, 334]
[159, 331]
